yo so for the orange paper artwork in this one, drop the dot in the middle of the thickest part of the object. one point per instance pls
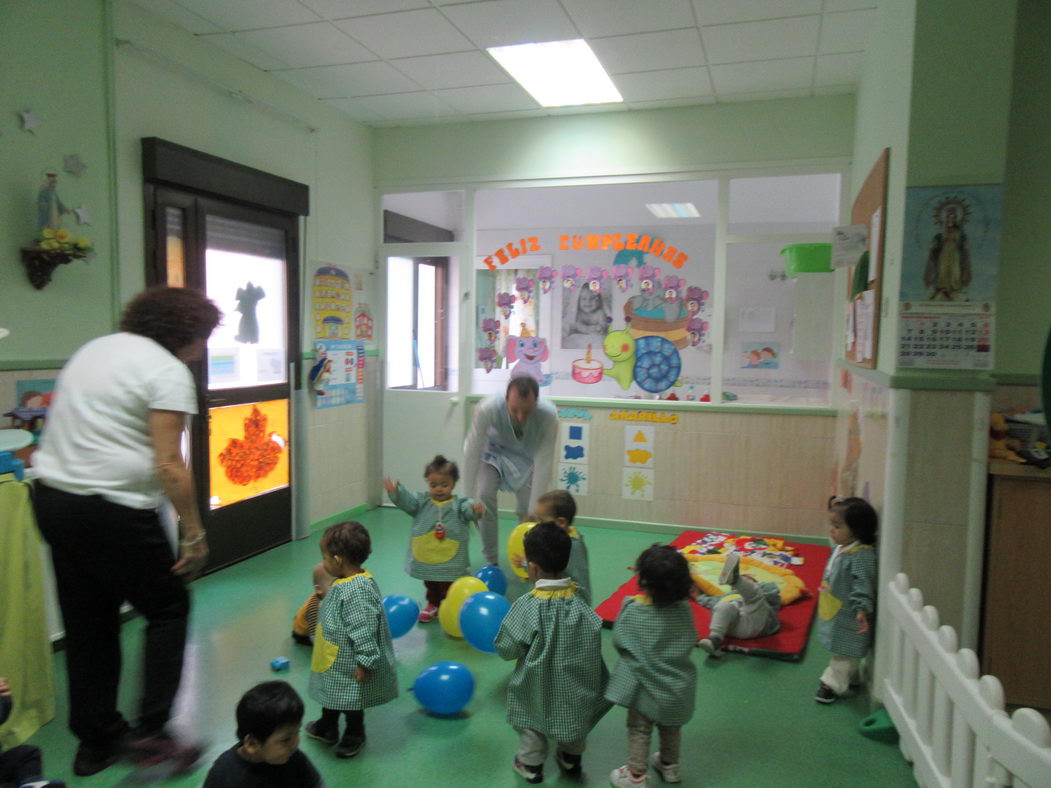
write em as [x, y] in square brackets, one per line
[248, 457]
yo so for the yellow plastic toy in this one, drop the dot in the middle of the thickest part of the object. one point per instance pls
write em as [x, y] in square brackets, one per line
[516, 549]
[449, 612]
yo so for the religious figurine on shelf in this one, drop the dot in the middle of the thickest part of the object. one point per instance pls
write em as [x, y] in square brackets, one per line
[49, 208]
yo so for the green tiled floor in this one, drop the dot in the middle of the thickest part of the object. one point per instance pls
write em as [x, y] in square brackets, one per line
[756, 724]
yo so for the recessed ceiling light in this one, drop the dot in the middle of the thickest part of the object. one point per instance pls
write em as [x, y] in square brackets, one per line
[558, 73]
[673, 210]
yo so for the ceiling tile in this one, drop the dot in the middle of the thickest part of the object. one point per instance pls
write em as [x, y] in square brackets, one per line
[763, 95]
[250, 14]
[502, 22]
[403, 106]
[849, 5]
[491, 98]
[319, 44]
[838, 69]
[721, 12]
[846, 32]
[520, 113]
[459, 70]
[674, 102]
[673, 83]
[623, 17]
[352, 108]
[180, 16]
[243, 50]
[342, 9]
[792, 74]
[649, 51]
[761, 40]
[357, 79]
[406, 34]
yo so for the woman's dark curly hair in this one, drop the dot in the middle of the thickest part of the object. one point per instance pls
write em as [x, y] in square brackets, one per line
[664, 574]
[173, 317]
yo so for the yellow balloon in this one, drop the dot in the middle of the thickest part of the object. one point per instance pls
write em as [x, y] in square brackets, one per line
[516, 549]
[449, 612]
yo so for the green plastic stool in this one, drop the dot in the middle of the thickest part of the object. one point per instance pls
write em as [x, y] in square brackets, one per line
[879, 726]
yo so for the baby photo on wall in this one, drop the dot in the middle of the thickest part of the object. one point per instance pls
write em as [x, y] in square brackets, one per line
[586, 312]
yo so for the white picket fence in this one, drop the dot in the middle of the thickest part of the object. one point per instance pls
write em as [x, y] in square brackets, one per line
[952, 722]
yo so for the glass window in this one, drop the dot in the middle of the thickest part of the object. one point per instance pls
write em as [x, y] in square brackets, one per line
[417, 337]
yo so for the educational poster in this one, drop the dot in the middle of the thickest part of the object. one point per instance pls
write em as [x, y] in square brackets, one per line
[949, 276]
[865, 278]
[760, 355]
[573, 443]
[34, 394]
[333, 303]
[587, 311]
[638, 446]
[247, 451]
[338, 374]
[637, 484]
[573, 477]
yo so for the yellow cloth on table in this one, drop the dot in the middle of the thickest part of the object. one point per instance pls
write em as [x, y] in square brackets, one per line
[25, 651]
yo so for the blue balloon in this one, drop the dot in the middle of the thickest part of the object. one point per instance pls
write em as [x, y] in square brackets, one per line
[494, 578]
[480, 619]
[402, 614]
[444, 687]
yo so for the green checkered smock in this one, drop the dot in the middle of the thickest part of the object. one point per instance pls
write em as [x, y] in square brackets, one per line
[848, 585]
[352, 630]
[655, 674]
[556, 688]
[577, 568]
[431, 558]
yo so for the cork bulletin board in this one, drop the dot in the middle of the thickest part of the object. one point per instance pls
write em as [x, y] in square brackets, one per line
[865, 280]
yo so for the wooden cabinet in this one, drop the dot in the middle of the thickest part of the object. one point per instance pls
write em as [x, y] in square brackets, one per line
[1016, 618]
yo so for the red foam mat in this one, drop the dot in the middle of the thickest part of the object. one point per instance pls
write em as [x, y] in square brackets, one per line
[788, 643]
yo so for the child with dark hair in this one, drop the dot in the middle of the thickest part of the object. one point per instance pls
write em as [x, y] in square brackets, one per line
[267, 753]
[848, 594]
[305, 621]
[440, 530]
[353, 664]
[655, 678]
[559, 507]
[21, 765]
[556, 688]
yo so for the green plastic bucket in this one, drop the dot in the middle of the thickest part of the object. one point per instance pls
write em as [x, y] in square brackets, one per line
[808, 259]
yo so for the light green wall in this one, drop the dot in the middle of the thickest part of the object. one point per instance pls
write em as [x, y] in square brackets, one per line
[54, 63]
[1024, 304]
[618, 143]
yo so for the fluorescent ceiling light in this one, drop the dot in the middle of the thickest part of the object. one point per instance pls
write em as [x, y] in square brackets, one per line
[558, 73]
[673, 210]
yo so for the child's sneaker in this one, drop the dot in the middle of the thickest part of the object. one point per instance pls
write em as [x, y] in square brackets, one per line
[669, 772]
[731, 569]
[825, 694]
[429, 613]
[623, 778]
[712, 645]
[570, 764]
[532, 774]
[315, 730]
[349, 746]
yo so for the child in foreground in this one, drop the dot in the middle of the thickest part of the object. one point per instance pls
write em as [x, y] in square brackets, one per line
[440, 530]
[749, 611]
[353, 664]
[559, 507]
[24, 764]
[267, 753]
[848, 594]
[557, 685]
[655, 678]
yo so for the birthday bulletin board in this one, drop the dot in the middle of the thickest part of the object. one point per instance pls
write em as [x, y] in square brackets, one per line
[865, 279]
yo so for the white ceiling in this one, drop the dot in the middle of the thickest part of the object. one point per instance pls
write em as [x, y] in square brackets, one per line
[390, 62]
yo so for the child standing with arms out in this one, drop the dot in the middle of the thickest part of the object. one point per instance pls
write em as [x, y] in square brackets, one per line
[353, 664]
[848, 594]
[440, 530]
[559, 507]
[655, 679]
[556, 688]
[267, 754]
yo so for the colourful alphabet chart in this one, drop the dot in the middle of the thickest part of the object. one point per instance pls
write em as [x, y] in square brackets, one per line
[946, 341]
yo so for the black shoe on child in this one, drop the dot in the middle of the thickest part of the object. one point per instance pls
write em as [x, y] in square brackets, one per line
[825, 694]
[349, 746]
[570, 764]
[315, 730]
[92, 760]
[532, 774]
[302, 640]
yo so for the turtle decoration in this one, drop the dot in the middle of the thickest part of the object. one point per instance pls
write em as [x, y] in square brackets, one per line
[651, 361]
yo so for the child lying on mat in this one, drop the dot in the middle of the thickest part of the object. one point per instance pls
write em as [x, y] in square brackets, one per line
[749, 611]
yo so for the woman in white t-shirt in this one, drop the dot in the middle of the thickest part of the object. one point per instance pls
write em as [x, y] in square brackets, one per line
[110, 451]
